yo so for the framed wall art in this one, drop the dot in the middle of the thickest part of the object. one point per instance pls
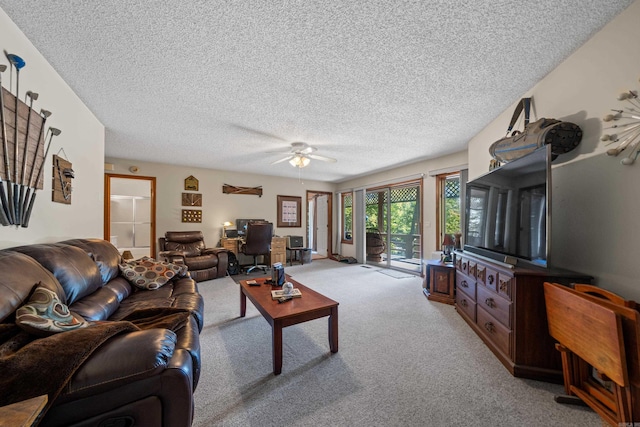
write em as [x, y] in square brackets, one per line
[289, 211]
[191, 199]
[191, 183]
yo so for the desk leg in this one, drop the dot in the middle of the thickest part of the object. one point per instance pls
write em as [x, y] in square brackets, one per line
[277, 347]
[243, 303]
[333, 330]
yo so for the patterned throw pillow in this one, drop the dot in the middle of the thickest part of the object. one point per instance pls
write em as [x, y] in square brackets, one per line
[44, 314]
[147, 273]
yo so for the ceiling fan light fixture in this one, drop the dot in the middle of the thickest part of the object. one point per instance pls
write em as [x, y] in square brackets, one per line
[299, 161]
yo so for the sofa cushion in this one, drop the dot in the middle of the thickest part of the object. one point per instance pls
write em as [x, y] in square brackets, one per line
[73, 267]
[19, 273]
[147, 273]
[103, 253]
[45, 315]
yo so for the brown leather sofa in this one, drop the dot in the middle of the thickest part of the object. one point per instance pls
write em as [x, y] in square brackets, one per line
[139, 376]
[188, 247]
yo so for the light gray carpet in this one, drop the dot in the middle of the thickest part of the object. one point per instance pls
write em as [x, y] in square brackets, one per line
[402, 361]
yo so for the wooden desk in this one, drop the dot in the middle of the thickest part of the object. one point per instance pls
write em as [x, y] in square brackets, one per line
[231, 244]
[278, 244]
[22, 413]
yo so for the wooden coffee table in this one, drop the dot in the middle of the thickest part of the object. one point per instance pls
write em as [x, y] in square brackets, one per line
[311, 305]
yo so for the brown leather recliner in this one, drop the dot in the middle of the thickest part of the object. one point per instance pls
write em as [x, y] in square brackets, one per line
[188, 247]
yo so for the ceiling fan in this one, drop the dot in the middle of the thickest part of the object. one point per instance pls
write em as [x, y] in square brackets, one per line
[301, 154]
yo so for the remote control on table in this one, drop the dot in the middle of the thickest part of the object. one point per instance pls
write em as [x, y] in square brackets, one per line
[284, 299]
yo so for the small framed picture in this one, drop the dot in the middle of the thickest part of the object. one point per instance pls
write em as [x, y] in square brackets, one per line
[289, 211]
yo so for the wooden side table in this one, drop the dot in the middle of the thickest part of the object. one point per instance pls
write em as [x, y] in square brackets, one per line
[440, 281]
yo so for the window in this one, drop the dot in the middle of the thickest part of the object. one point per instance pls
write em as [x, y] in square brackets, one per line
[347, 217]
[448, 206]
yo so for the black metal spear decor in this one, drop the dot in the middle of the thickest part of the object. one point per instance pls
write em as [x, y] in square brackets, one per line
[16, 201]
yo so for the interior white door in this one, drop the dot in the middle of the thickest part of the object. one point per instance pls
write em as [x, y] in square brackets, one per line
[131, 216]
[322, 225]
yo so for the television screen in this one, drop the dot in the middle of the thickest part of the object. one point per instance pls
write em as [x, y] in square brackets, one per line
[507, 210]
[241, 225]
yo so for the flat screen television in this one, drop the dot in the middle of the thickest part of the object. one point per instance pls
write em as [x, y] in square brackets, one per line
[241, 225]
[508, 211]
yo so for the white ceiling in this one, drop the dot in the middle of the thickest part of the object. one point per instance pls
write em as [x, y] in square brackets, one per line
[374, 84]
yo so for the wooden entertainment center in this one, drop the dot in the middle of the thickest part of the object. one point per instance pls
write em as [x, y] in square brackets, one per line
[505, 306]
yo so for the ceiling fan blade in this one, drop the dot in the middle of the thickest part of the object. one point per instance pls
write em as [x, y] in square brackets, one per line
[284, 159]
[308, 150]
[323, 158]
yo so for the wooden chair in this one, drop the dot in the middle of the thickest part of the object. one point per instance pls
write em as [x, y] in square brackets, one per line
[597, 333]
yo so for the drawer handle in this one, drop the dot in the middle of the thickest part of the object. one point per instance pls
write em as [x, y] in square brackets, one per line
[503, 286]
[490, 302]
[489, 327]
[491, 279]
[463, 303]
[464, 284]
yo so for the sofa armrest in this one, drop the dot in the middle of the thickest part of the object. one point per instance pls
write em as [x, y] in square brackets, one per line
[175, 257]
[169, 390]
[212, 251]
[123, 359]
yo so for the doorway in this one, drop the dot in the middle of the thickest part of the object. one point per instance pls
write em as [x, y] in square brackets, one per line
[393, 218]
[130, 213]
[319, 223]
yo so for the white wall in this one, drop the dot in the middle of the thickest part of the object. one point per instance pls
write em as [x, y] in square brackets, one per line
[218, 207]
[596, 200]
[429, 194]
[82, 138]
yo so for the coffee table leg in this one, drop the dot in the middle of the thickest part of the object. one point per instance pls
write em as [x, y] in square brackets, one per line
[243, 303]
[277, 348]
[333, 330]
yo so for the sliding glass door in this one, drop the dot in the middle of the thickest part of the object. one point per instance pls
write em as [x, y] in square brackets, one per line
[393, 221]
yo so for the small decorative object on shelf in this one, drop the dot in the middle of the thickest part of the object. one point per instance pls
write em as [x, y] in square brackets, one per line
[625, 128]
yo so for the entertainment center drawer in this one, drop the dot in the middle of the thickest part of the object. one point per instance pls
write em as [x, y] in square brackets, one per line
[505, 284]
[498, 307]
[487, 276]
[495, 331]
[466, 306]
[466, 285]
[466, 266]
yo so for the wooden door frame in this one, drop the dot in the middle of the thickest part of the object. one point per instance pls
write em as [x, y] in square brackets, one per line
[311, 194]
[107, 205]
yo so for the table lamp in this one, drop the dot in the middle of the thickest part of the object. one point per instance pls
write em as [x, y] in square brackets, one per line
[127, 255]
[224, 227]
[448, 243]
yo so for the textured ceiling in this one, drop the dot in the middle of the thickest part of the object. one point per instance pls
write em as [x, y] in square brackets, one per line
[374, 84]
